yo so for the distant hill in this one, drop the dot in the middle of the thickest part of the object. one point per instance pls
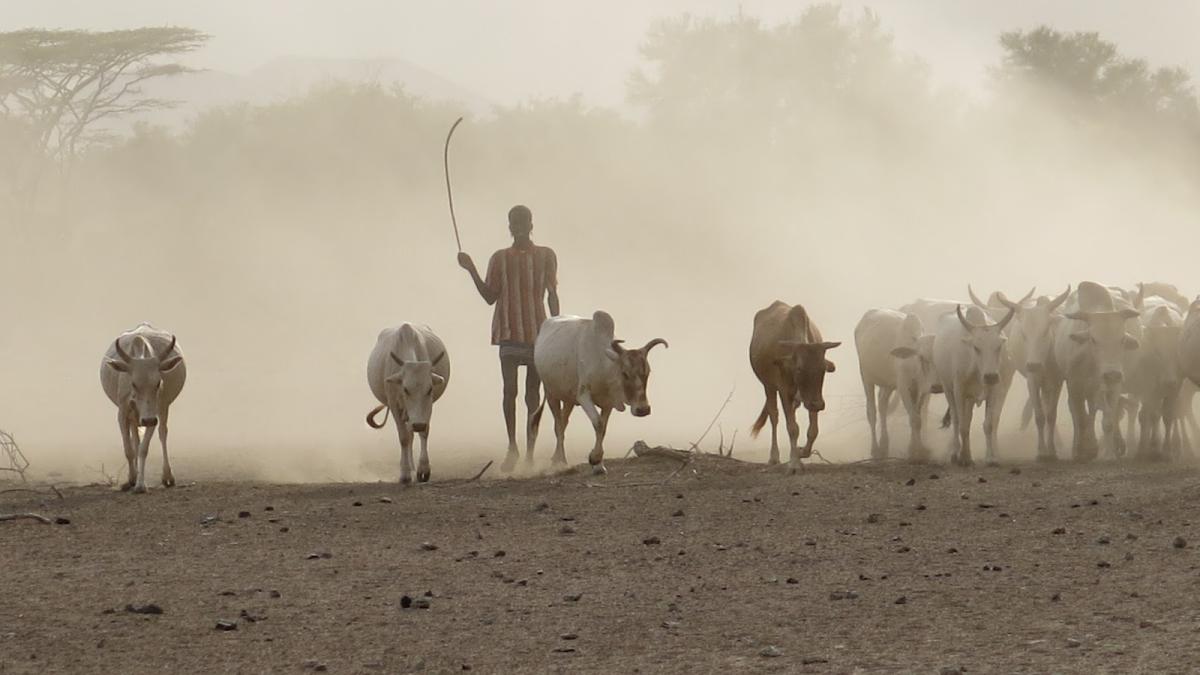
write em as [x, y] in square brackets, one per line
[288, 77]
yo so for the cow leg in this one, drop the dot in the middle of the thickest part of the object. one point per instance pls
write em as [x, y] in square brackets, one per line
[508, 372]
[1051, 393]
[1085, 445]
[168, 478]
[599, 421]
[914, 404]
[797, 455]
[423, 462]
[966, 409]
[869, 392]
[533, 398]
[952, 406]
[562, 414]
[128, 439]
[991, 418]
[885, 396]
[596, 458]
[143, 450]
[789, 415]
[405, 434]
[772, 406]
[1144, 441]
[1034, 386]
[1110, 408]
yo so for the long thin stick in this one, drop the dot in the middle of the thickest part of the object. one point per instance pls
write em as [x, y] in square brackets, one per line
[696, 445]
[449, 191]
[31, 516]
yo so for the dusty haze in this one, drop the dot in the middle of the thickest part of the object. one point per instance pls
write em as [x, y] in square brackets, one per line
[276, 240]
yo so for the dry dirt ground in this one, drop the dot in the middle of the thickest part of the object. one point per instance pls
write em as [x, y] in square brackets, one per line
[723, 566]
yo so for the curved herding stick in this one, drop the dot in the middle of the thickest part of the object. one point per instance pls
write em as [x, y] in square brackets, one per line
[449, 192]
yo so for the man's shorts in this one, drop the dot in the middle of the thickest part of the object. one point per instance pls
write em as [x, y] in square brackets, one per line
[515, 352]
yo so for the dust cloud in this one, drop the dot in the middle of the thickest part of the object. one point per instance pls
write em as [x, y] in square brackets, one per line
[807, 159]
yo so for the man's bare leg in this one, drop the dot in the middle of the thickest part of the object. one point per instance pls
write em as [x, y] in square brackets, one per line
[533, 398]
[508, 370]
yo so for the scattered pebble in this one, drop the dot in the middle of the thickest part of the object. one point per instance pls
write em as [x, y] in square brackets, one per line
[569, 636]
[1179, 542]
[421, 603]
[1102, 541]
[873, 518]
[933, 476]
[951, 550]
[651, 541]
[982, 479]
[268, 508]
[542, 506]
[428, 546]
[1104, 564]
[902, 600]
[499, 554]
[566, 530]
[910, 482]
[951, 670]
[920, 507]
[1015, 471]
[792, 580]
[357, 504]
[1056, 597]
[573, 597]
[275, 595]
[843, 595]
[677, 514]
[770, 652]
[144, 609]
[243, 514]
[1059, 530]
[1072, 643]
[314, 665]
[224, 625]
[811, 660]
[62, 521]
[405, 602]
[385, 500]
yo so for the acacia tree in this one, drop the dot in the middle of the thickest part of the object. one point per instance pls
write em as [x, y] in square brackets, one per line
[57, 87]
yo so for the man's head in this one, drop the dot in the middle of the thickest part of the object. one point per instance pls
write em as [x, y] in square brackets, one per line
[520, 221]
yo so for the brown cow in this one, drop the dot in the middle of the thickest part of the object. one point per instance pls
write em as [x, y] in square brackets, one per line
[787, 354]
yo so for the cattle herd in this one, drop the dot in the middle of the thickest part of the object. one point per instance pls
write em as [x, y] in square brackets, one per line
[1125, 356]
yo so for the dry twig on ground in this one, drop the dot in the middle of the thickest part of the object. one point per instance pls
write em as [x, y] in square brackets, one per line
[54, 489]
[31, 516]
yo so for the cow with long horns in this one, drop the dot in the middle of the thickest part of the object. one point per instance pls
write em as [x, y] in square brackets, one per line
[408, 371]
[970, 357]
[142, 373]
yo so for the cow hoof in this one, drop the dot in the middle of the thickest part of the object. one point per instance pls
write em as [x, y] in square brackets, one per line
[509, 463]
[126, 486]
[168, 481]
[599, 470]
[406, 480]
[422, 476]
[773, 461]
[1047, 459]
[992, 464]
[139, 489]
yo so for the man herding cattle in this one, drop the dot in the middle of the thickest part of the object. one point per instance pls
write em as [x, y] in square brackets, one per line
[519, 279]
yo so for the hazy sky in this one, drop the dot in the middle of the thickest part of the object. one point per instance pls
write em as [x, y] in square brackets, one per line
[508, 51]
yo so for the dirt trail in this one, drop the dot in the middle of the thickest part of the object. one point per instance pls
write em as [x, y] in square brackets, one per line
[1040, 568]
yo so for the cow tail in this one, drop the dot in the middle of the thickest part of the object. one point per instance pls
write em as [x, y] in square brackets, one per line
[762, 420]
[1026, 414]
[535, 420]
[375, 411]
[946, 419]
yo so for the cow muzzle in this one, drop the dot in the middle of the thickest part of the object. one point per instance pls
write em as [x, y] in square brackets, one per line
[1034, 366]
[991, 378]
[937, 389]
[1113, 377]
[420, 427]
[148, 422]
[641, 411]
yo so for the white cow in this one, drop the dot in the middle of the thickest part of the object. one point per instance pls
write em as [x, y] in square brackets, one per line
[969, 355]
[895, 355]
[1031, 349]
[1091, 350]
[582, 364]
[142, 373]
[1189, 344]
[408, 371]
[1155, 380]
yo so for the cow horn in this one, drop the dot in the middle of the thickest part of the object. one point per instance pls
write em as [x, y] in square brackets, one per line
[120, 352]
[1054, 304]
[1078, 316]
[1027, 296]
[439, 358]
[1012, 311]
[1139, 300]
[166, 352]
[616, 346]
[1005, 301]
[396, 359]
[962, 319]
[975, 298]
[655, 342]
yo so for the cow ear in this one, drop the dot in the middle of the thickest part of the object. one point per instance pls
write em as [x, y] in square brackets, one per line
[829, 366]
[612, 354]
[831, 345]
[438, 380]
[1080, 337]
[904, 352]
[439, 358]
[395, 378]
[1131, 342]
[117, 365]
[170, 363]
